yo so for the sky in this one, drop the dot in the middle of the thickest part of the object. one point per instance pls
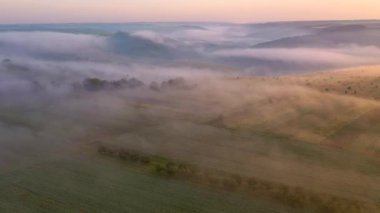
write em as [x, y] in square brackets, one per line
[80, 11]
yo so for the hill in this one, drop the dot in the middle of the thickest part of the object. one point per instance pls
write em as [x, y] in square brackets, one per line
[282, 144]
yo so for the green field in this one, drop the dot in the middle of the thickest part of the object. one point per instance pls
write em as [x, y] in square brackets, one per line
[305, 151]
[101, 185]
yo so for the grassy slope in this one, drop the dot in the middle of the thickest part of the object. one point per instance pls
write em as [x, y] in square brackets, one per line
[360, 82]
[301, 147]
[276, 136]
[362, 133]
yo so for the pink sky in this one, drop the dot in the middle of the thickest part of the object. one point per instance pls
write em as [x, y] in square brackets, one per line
[44, 11]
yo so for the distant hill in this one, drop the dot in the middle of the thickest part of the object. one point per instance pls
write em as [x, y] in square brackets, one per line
[330, 37]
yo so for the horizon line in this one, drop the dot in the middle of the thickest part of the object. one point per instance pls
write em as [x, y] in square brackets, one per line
[194, 22]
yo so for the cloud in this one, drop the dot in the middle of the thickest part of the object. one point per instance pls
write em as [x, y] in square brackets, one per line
[347, 56]
[35, 43]
[152, 36]
[152, 53]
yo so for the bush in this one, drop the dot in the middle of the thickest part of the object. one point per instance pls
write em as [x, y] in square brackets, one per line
[295, 197]
[229, 184]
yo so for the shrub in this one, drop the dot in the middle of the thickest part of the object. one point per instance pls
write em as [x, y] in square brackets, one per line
[229, 184]
[295, 197]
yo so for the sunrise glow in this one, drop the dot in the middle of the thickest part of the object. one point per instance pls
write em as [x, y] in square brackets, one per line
[28, 11]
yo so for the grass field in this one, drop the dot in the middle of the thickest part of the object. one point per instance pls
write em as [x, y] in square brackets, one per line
[96, 185]
[287, 133]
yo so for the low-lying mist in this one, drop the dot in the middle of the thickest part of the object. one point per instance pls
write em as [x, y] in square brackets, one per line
[222, 48]
[78, 82]
[191, 93]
